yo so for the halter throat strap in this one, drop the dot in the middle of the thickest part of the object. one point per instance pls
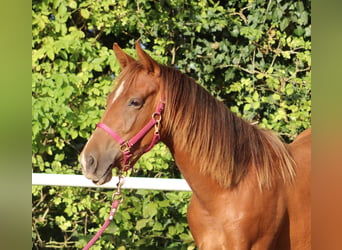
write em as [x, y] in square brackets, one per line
[126, 146]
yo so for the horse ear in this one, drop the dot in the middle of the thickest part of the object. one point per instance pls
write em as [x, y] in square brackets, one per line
[123, 58]
[149, 64]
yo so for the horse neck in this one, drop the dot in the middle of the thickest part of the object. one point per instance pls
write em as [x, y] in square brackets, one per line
[181, 123]
[211, 144]
[200, 184]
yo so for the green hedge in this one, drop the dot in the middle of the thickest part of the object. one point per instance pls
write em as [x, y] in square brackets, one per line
[253, 55]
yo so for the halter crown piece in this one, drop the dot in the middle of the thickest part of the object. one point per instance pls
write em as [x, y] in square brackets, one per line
[125, 146]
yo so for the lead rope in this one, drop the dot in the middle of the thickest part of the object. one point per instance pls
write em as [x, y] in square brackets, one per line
[117, 198]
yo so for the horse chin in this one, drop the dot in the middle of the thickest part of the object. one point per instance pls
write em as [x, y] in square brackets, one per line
[106, 177]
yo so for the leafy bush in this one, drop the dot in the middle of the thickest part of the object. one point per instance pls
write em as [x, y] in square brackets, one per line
[252, 55]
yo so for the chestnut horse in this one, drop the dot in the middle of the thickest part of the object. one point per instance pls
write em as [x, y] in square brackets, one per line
[250, 190]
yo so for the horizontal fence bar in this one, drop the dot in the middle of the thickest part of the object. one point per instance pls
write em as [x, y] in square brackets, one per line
[41, 179]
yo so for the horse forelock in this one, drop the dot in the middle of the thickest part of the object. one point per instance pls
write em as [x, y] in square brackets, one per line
[128, 75]
[224, 145]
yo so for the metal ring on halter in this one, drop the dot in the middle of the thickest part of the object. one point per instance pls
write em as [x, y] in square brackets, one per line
[157, 117]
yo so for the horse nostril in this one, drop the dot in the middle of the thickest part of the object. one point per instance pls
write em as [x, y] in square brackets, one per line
[91, 161]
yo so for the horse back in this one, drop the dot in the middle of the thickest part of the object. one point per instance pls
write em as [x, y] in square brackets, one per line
[300, 150]
[299, 193]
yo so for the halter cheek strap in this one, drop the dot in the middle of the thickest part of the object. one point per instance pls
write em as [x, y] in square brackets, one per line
[125, 146]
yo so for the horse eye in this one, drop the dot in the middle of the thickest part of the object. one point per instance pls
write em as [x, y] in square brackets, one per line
[137, 103]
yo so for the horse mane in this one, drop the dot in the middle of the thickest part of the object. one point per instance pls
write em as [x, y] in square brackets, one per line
[223, 145]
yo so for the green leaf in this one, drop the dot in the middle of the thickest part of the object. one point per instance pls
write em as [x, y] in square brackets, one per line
[289, 90]
[171, 230]
[247, 107]
[150, 210]
[56, 3]
[158, 227]
[141, 224]
[286, 54]
[255, 96]
[50, 53]
[276, 97]
[85, 13]
[59, 157]
[284, 23]
[72, 4]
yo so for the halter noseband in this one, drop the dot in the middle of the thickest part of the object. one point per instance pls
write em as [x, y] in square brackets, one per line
[125, 146]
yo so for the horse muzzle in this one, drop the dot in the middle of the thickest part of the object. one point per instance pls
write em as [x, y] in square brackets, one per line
[98, 168]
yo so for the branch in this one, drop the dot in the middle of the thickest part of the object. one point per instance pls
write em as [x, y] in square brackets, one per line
[238, 67]
[240, 13]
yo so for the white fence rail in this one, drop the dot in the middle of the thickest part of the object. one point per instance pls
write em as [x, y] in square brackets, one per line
[130, 182]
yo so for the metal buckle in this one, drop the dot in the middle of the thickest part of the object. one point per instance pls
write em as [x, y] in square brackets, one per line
[157, 118]
[124, 147]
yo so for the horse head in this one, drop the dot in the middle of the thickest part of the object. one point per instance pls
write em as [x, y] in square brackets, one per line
[130, 124]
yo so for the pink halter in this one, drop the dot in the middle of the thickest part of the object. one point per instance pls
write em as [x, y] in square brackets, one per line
[125, 146]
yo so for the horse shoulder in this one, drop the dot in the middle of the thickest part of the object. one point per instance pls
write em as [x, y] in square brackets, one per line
[242, 218]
